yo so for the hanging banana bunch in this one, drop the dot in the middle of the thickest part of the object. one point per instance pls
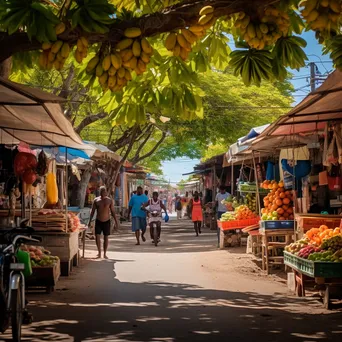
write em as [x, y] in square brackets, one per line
[181, 42]
[114, 69]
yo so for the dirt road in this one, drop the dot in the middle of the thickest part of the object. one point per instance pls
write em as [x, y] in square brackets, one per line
[183, 290]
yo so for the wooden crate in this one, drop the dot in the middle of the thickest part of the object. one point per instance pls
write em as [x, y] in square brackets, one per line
[63, 245]
[45, 277]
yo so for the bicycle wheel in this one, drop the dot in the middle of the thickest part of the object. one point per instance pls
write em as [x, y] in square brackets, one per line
[155, 235]
[16, 314]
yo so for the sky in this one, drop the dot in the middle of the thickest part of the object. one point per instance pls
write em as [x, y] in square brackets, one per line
[174, 169]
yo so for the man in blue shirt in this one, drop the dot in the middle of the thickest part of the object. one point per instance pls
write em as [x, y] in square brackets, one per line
[138, 215]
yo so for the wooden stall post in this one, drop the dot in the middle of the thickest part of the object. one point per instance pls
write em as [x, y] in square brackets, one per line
[66, 189]
[257, 185]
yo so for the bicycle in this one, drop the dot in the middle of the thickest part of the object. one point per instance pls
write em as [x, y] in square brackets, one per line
[12, 281]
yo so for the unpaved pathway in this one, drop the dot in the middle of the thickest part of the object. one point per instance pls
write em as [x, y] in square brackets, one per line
[183, 290]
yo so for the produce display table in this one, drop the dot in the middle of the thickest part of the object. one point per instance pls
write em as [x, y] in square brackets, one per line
[64, 245]
[44, 277]
[273, 242]
[232, 235]
[326, 277]
[308, 221]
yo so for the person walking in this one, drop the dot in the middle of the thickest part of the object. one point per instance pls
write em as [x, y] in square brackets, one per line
[178, 207]
[221, 208]
[138, 215]
[102, 205]
[196, 212]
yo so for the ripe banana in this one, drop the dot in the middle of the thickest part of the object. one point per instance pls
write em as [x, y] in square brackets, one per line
[183, 42]
[121, 72]
[111, 71]
[145, 58]
[136, 48]
[46, 46]
[176, 50]
[128, 75]
[189, 36]
[205, 18]
[124, 44]
[106, 63]
[146, 46]
[170, 41]
[43, 60]
[132, 32]
[60, 28]
[78, 56]
[92, 63]
[127, 55]
[65, 50]
[141, 65]
[116, 60]
[56, 46]
[103, 78]
[111, 82]
[206, 10]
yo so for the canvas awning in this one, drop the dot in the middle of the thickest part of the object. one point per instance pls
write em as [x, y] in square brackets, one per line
[34, 117]
[303, 122]
[101, 152]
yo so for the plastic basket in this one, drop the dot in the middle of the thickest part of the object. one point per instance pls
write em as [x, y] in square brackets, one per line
[279, 224]
[322, 269]
[237, 224]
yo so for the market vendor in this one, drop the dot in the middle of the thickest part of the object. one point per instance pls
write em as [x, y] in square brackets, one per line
[103, 205]
[222, 195]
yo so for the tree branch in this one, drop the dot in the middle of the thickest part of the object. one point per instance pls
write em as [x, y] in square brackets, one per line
[139, 159]
[149, 132]
[89, 120]
[171, 18]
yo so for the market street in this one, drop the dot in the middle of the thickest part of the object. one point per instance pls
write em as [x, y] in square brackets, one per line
[183, 290]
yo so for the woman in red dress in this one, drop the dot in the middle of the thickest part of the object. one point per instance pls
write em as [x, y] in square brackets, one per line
[196, 212]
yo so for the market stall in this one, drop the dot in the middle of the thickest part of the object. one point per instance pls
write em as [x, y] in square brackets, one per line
[29, 117]
[311, 137]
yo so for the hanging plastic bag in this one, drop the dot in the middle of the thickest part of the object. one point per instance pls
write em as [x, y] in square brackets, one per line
[51, 185]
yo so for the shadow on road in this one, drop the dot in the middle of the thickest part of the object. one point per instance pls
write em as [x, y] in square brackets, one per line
[176, 237]
[101, 308]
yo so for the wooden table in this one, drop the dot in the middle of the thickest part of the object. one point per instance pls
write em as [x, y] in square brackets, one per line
[272, 241]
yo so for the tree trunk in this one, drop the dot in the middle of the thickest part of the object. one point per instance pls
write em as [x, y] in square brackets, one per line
[82, 188]
[5, 68]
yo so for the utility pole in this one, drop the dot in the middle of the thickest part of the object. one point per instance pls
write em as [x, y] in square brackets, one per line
[312, 76]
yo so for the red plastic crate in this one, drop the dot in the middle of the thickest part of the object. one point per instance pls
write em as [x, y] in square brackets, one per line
[237, 224]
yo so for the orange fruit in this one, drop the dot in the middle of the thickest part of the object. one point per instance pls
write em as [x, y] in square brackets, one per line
[286, 201]
[282, 195]
[282, 218]
[280, 211]
[286, 215]
[279, 202]
[290, 210]
[285, 207]
[291, 217]
[281, 184]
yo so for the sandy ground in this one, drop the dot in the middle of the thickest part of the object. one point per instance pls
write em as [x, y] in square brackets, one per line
[183, 290]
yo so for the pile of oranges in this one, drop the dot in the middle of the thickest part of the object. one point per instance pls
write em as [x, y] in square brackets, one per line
[278, 204]
[317, 235]
[242, 212]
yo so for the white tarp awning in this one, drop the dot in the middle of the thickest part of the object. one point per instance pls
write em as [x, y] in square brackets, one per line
[98, 151]
[34, 117]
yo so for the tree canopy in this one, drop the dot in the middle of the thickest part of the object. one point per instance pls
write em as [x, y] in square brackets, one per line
[146, 55]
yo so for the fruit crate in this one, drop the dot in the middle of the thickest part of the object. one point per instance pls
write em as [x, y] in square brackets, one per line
[45, 277]
[277, 224]
[321, 269]
[237, 224]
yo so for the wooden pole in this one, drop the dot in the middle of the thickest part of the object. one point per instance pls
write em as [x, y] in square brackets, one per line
[257, 185]
[66, 190]
[232, 179]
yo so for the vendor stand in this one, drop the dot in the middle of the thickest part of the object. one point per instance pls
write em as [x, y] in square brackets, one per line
[36, 118]
[316, 256]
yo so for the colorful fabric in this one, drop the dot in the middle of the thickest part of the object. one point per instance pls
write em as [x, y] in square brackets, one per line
[196, 214]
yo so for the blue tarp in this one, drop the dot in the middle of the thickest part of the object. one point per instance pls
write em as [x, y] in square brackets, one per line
[73, 152]
[253, 133]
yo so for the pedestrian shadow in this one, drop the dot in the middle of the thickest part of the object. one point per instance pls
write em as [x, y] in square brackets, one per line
[98, 307]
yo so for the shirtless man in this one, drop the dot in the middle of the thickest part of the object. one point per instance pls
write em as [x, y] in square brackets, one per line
[103, 205]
